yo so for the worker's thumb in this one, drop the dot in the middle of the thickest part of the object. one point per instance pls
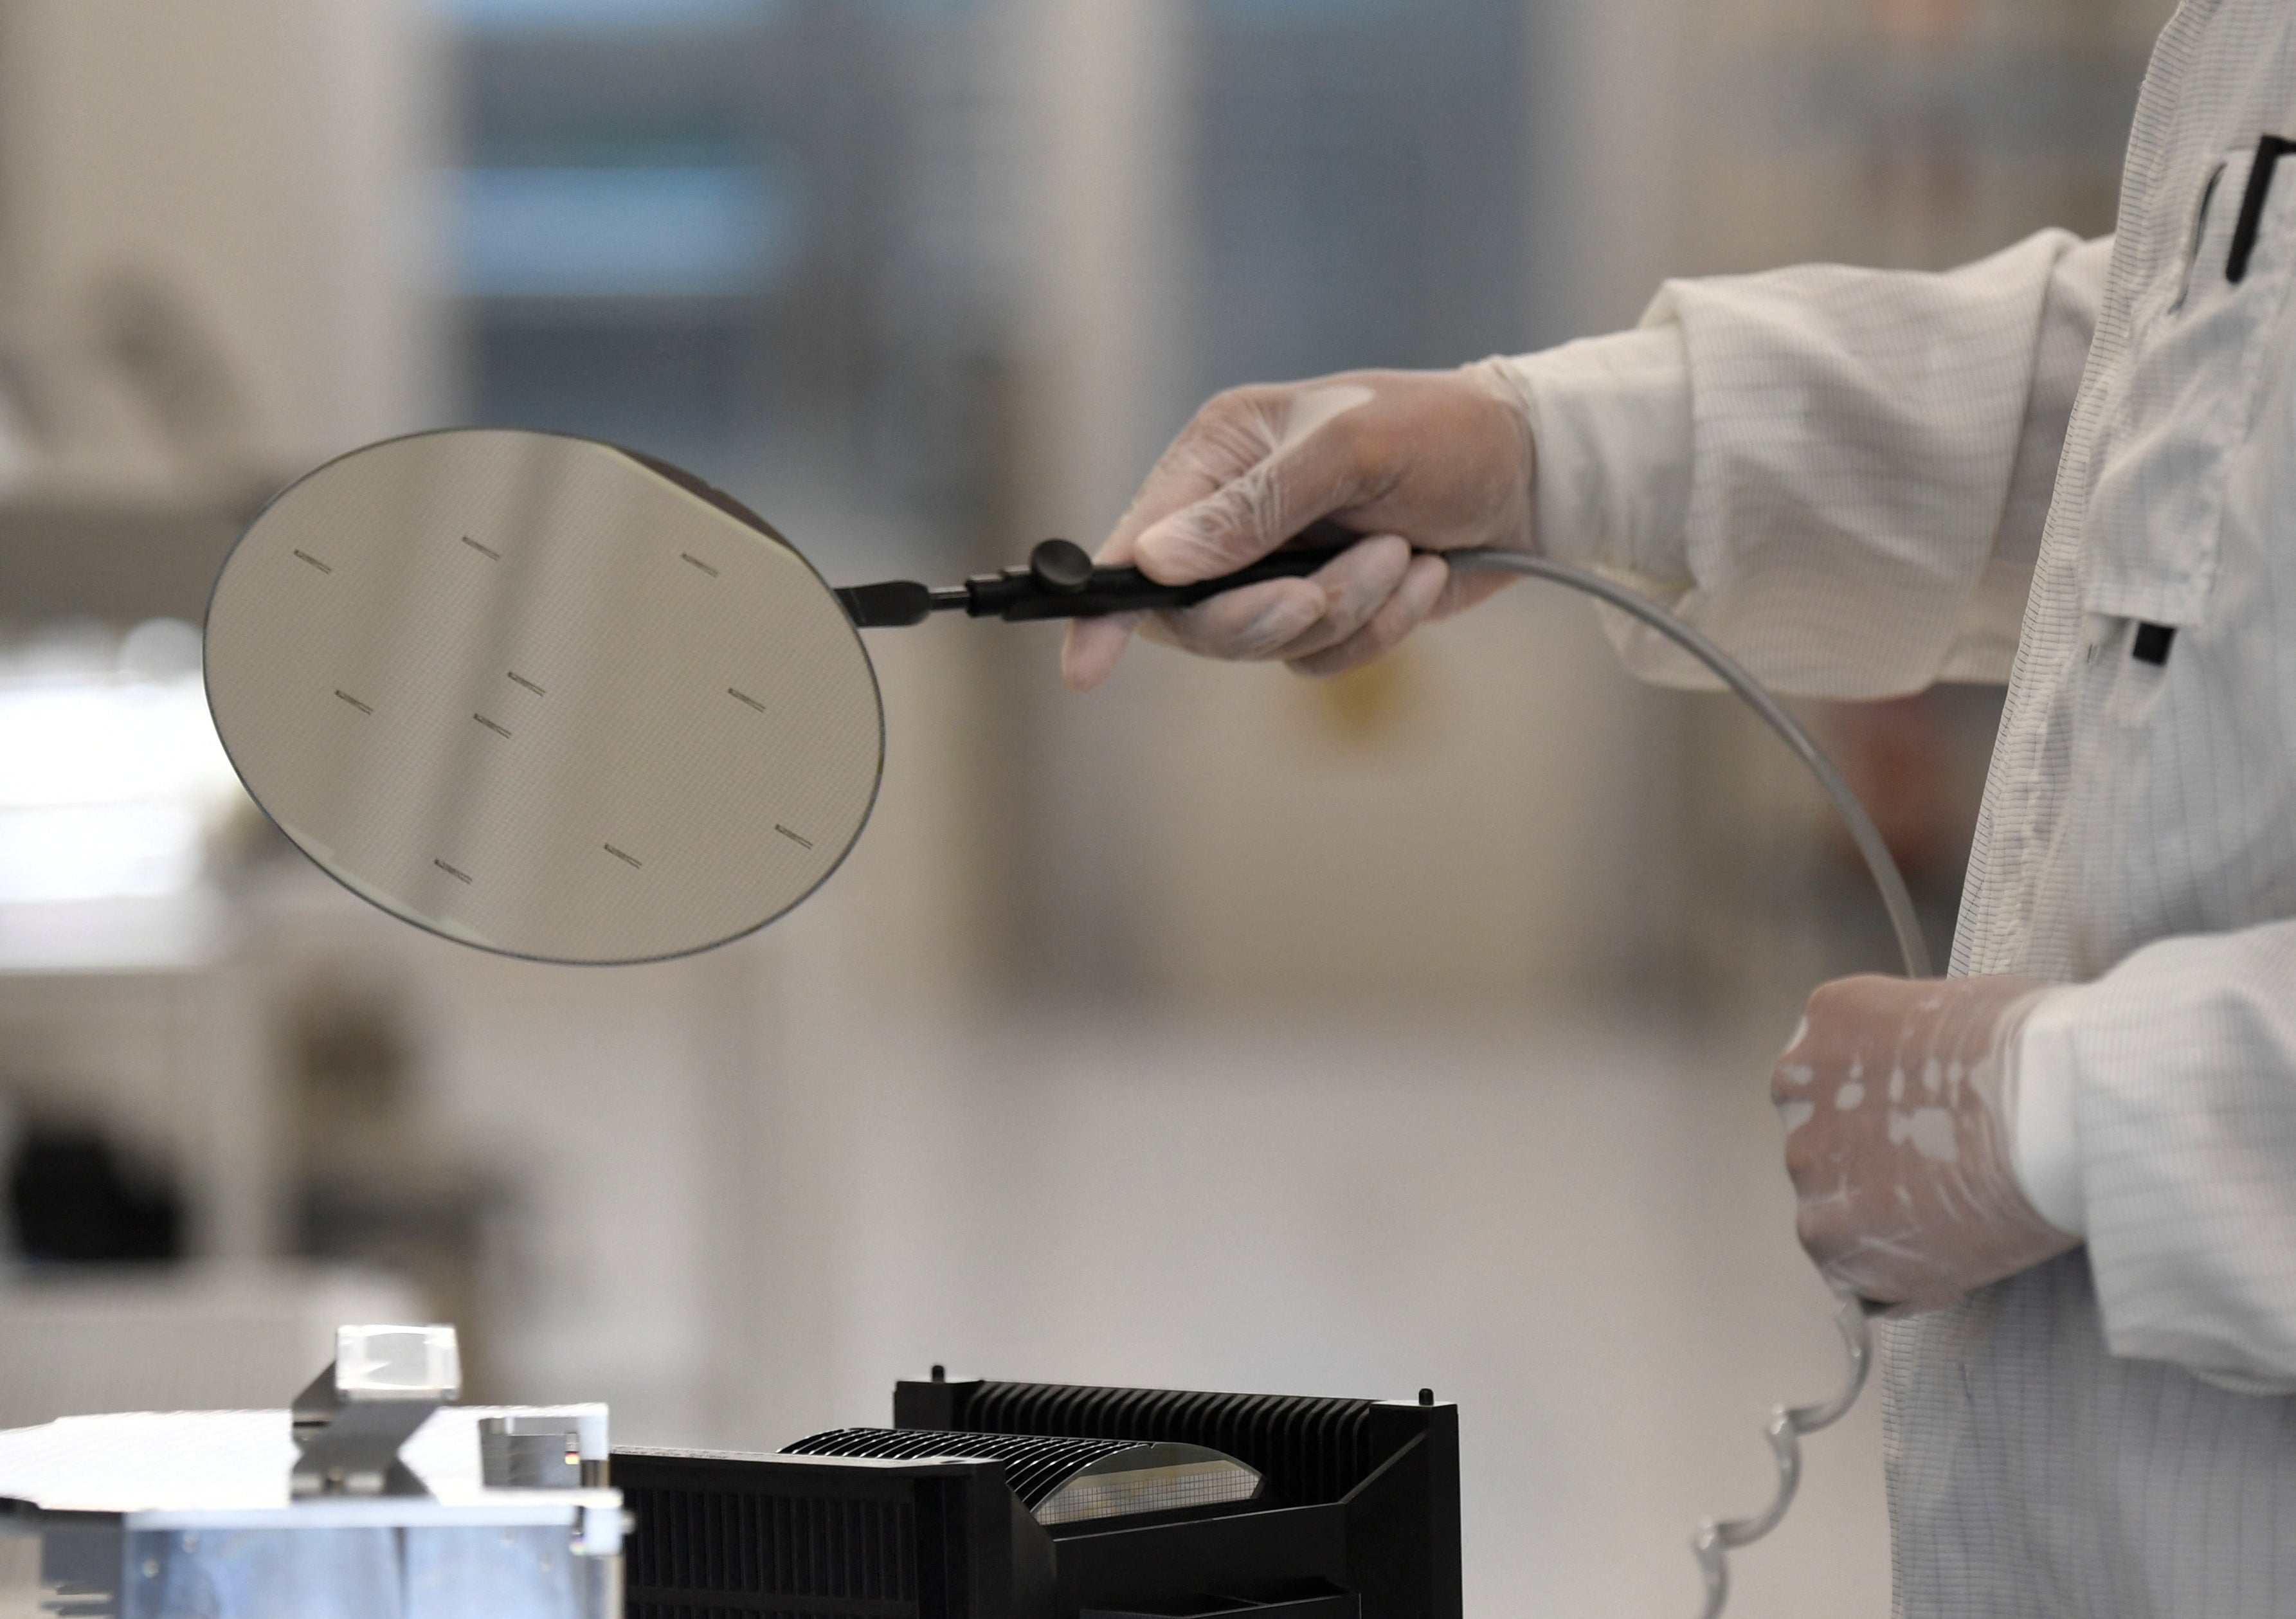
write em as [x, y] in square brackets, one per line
[1252, 514]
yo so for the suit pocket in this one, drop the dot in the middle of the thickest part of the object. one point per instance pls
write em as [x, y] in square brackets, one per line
[2186, 397]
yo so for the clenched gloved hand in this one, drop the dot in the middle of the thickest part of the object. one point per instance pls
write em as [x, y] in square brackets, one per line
[1900, 1098]
[1415, 461]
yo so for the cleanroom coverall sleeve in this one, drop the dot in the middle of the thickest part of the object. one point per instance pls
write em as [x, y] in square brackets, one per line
[2179, 1066]
[1840, 474]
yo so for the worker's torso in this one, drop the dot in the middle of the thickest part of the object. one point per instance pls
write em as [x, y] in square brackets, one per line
[2144, 782]
[2143, 786]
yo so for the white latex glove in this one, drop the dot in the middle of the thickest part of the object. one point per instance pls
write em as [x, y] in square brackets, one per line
[1900, 1098]
[1414, 460]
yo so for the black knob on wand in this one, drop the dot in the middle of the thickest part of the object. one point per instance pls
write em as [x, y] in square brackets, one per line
[1060, 566]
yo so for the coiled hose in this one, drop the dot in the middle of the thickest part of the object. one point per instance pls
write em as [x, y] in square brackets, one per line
[1716, 1538]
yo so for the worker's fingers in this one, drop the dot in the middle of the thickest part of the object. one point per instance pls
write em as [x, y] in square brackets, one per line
[1251, 623]
[1890, 1264]
[1259, 621]
[1312, 468]
[1465, 587]
[1357, 583]
[1410, 604]
[1093, 646]
[1236, 624]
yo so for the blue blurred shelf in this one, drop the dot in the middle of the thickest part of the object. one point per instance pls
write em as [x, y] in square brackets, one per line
[623, 232]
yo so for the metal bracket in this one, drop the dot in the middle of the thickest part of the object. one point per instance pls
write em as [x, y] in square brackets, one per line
[352, 1418]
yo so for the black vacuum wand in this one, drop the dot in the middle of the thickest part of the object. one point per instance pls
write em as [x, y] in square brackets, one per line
[1060, 581]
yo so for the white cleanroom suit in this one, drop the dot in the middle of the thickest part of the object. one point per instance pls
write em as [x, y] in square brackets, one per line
[1840, 474]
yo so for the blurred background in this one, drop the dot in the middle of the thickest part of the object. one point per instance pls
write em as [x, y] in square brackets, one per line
[1220, 1029]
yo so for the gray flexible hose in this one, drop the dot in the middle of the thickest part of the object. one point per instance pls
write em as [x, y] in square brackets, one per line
[1895, 898]
[1716, 1537]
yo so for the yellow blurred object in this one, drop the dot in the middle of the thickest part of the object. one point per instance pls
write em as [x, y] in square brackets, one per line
[1370, 706]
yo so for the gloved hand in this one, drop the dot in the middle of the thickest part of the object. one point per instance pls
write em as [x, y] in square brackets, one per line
[1424, 460]
[1900, 1102]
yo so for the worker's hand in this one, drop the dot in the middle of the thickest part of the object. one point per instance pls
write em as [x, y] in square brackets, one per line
[1413, 460]
[1900, 1098]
